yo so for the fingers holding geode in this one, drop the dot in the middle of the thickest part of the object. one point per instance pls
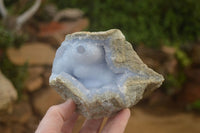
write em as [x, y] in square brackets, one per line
[56, 116]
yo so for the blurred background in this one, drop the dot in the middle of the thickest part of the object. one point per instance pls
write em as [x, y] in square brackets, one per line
[164, 33]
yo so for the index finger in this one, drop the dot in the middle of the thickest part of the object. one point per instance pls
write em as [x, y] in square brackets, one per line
[56, 116]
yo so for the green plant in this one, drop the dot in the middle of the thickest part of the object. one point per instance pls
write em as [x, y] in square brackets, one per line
[16, 74]
[174, 82]
[9, 38]
[152, 22]
[182, 57]
[195, 105]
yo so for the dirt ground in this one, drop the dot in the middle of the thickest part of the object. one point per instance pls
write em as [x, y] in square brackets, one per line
[142, 121]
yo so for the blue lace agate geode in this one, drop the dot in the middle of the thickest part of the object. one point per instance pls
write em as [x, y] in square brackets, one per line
[101, 72]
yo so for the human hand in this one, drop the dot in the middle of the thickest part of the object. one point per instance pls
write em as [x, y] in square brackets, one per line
[62, 118]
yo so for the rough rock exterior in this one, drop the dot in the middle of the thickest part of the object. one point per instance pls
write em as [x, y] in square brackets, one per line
[7, 92]
[135, 79]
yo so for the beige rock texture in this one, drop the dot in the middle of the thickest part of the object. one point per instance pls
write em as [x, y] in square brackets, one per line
[35, 53]
[120, 57]
[8, 93]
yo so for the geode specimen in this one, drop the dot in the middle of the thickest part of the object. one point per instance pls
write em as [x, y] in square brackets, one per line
[101, 72]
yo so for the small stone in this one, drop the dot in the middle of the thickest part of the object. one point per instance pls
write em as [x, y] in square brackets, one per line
[54, 32]
[21, 113]
[44, 99]
[171, 65]
[7, 92]
[34, 53]
[70, 13]
[102, 73]
[168, 50]
[49, 10]
[34, 84]
[35, 71]
[62, 28]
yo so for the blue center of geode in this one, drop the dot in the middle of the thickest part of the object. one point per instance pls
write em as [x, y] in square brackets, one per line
[85, 61]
